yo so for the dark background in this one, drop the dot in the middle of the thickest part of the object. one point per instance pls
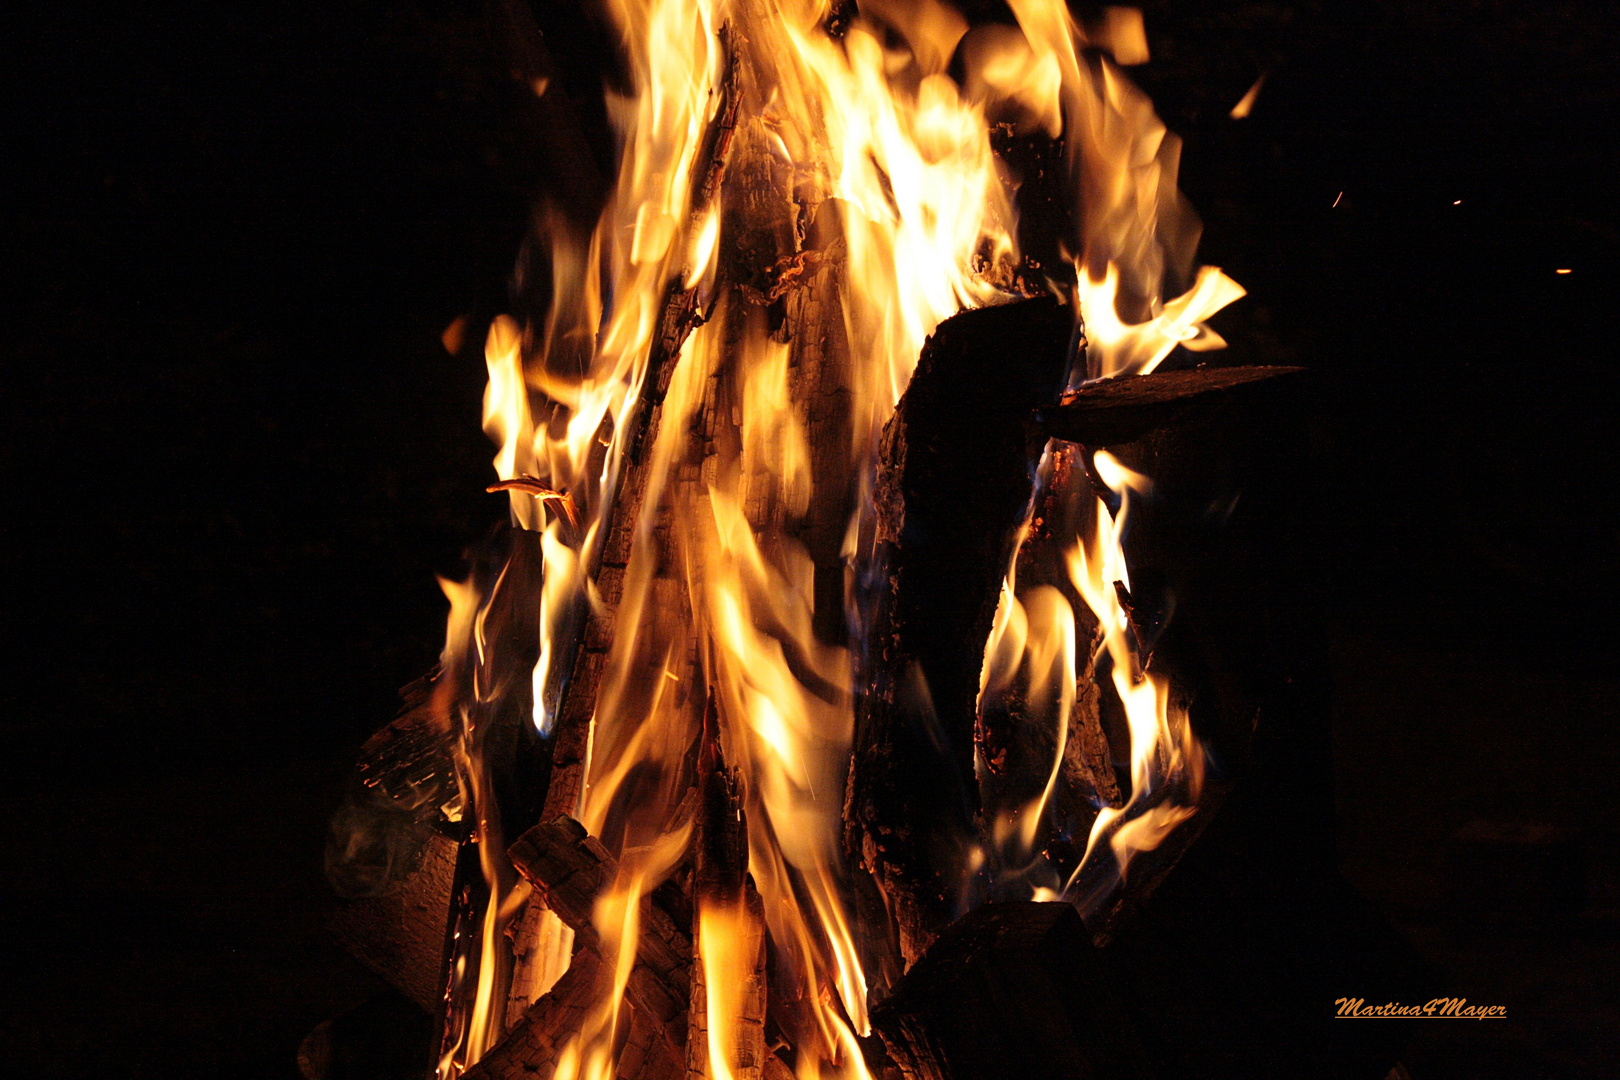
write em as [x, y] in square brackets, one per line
[235, 453]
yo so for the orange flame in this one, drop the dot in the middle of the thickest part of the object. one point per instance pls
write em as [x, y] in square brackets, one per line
[1163, 749]
[870, 130]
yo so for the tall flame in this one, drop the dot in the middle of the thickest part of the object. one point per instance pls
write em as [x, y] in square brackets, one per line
[880, 164]
[1163, 749]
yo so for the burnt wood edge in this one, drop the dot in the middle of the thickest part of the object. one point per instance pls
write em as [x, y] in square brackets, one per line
[1124, 408]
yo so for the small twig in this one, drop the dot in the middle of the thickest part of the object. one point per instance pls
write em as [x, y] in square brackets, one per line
[528, 484]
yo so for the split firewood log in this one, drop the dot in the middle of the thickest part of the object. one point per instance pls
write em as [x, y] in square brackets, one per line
[1109, 412]
[399, 931]
[410, 762]
[530, 1051]
[679, 316]
[584, 649]
[569, 869]
[954, 481]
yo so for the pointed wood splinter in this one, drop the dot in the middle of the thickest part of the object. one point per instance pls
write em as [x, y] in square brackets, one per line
[562, 500]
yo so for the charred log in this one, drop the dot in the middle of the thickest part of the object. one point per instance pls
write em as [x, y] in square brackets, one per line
[953, 486]
[645, 1054]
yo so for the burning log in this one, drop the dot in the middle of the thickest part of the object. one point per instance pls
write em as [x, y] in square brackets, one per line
[584, 655]
[1014, 982]
[1240, 636]
[709, 576]
[679, 316]
[527, 935]
[953, 484]
[570, 869]
[530, 1051]
[953, 481]
[1055, 580]
[680, 313]
[392, 851]
[644, 1054]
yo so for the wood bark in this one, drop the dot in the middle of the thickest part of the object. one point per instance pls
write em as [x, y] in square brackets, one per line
[953, 485]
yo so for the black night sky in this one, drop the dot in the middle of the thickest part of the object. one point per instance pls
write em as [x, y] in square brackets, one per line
[235, 453]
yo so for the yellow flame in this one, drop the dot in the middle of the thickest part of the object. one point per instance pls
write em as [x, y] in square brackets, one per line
[1116, 347]
[1137, 234]
[729, 948]
[878, 148]
[1033, 635]
[465, 685]
[1163, 749]
[921, 215]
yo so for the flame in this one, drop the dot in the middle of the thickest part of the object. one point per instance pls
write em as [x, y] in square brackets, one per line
[1116, 347]
[1136, 234]
[879, 136]
[1163, 750]
[882, 168]
[466, 688]
[730, 947]
[1245, 104]
[1033, 634]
